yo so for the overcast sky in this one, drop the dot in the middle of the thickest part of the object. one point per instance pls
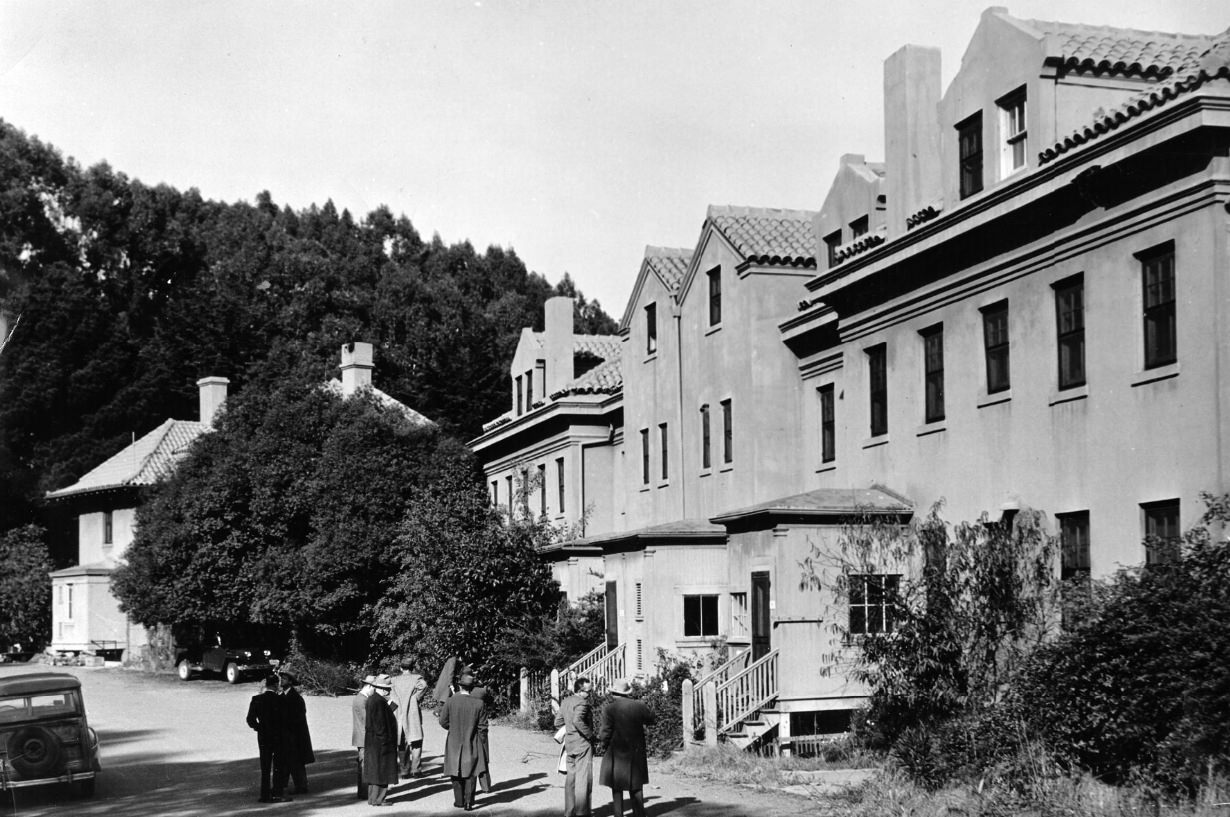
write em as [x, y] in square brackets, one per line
[574, 132]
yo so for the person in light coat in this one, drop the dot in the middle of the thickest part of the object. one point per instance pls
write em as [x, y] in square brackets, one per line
[408, 688]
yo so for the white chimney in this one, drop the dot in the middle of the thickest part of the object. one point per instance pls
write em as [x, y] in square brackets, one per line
[356, 367]
[912, 157]
[558, 333]
[212, 392]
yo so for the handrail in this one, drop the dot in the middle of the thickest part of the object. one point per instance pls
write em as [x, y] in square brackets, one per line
[717, 676]
[741, 695]
[740, 658]
[579, 667]
[611, 666]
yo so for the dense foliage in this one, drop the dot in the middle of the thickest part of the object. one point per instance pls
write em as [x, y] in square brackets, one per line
[542, 645]
[127, 294]
[25, 588]
[286, 516]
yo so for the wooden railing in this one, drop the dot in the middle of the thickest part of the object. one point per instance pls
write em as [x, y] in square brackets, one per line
[747, 692]
[580, 667]
[601, 672]
[722, 673]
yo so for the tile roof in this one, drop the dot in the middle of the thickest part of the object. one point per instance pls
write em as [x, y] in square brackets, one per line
[335, 386]
[605, 378]
[144, 462]
[768, 236]
[1211, 63]
[1117, 51]
[670, 264]
[825, 502]
[603, 346]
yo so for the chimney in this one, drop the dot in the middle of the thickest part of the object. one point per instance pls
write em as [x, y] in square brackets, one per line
[911, 133]
[356, 367]
[212, 392]
[557, 326]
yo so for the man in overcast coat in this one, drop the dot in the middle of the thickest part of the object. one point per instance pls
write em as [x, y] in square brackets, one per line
[625, 762]
[379, 743]
[465, 718]
[264, 715]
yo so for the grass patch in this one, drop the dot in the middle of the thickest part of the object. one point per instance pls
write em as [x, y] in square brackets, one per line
[732, 765]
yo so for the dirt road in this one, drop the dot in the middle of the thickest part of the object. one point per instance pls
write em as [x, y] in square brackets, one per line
[174, 748]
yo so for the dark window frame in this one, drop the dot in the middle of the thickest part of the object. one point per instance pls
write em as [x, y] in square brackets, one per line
[559, 482]
[828, 426]
[872, 603]
[644, 456]
[715, 295]
[651, 328]
[108, 528]
[877, 388]
[933, 373]
[832, 243]
[728, 434]
[860, 227]
[996, 346]
[1074, 544]
[1161, 544]
[702, 620]
[664, 441]
[706, 442]
[1160, 327]
[970, 155]
[1070, 331]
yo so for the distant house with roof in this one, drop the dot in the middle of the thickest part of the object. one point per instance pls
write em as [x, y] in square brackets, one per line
[85, 614]
[1022, 305]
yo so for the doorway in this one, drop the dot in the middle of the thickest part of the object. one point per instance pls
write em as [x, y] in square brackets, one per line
[761, 625]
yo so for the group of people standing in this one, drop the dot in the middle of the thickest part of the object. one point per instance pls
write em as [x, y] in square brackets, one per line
[388, 732]
[278, 714]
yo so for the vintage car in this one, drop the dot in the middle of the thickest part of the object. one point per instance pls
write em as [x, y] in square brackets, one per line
[233, 663]
[44, 735]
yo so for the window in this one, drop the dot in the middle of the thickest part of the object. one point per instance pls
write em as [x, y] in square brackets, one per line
[495, 493]
[739, 626]
[520, 394]
[1070, 324]
[1074, 542]
[873, 599]
[1157, 270]
[640, 654]
[1012, 127]
[70, 603]
[700, 616]
[715, 296]
[639, 612]
[542, 489]
[644, 456]
[832, 242]
[933, 373]
[529, 390]
[651, 329]
[828, 432]
[859, 227]
[878, 388]
[510, 494]
[728, 446]
[1162, 534]
[662, 440]
[540, 372]
[559, 482]
[108, 528]
[705, 461]
[995, 344]
[969, 151]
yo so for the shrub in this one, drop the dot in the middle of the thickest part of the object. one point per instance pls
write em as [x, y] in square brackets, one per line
[319, 676]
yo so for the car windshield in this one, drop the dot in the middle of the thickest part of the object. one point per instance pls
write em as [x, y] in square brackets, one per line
[38, 706]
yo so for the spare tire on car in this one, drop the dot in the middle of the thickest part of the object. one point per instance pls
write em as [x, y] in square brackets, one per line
[35, 752]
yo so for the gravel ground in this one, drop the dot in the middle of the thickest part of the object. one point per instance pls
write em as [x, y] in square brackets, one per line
[175, 748]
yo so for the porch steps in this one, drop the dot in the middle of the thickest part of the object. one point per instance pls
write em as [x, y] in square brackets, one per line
[755, 728]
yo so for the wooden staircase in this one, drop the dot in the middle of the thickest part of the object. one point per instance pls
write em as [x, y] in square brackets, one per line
[735, 703]
[752, 730]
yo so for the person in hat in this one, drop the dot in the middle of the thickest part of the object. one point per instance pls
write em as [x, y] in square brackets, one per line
[576, 717]
[264, 716]
[465, 719]
[296, 749]
[408, 688]
[379, 742]
[621, 741]
[358, 729]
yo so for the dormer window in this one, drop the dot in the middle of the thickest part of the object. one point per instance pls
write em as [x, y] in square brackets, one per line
[715, 296]
[969, 151]
[858, 228]
[831, 243]
[651, 329]
[520, 397]
[1012, 128]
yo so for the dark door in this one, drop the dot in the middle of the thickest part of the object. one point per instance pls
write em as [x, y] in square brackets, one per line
[760, 615]
[612, 617]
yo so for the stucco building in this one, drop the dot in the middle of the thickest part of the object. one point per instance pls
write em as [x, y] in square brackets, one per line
[1022, 305]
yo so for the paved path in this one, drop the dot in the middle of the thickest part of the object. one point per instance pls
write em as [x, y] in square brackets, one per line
[176, 748]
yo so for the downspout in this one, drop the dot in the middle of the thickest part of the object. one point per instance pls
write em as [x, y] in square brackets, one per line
[683, 486]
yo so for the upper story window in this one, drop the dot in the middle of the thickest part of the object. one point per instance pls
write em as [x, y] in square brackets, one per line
[644, 456]
[1157, 271]
[108, 528]
[495, 493]
[715, 296]
[1070, 330]
[542, 489]
[509, 480]
[663, 439]
[651, 328]
[1074, 542]
[995, 345]
[1012, 128]
[969, 154]
[540, 372]
[705, 459]
[832, 242]
[520, 397]
[529, 390]
[559, 482]
[728, 443]
[1162, 534]
[859, 227]
[933, 373]
[877, 382]
[828, 429]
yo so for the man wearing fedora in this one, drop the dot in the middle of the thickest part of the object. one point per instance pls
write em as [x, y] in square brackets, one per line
[358, 729]
[621, 741]
[296, 739]
[465, 719]
[577, 719]
[264, 716]
[379, 742]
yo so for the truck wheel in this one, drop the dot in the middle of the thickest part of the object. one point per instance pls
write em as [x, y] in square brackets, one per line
[184, 670]
[232, 673]
[35, 752]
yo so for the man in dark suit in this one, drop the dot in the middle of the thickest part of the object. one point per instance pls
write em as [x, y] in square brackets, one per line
[358, 729]
[577, 719]
[296, 750]
[465, 718]
[625, 763]
[264, 715]
[379, 743]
